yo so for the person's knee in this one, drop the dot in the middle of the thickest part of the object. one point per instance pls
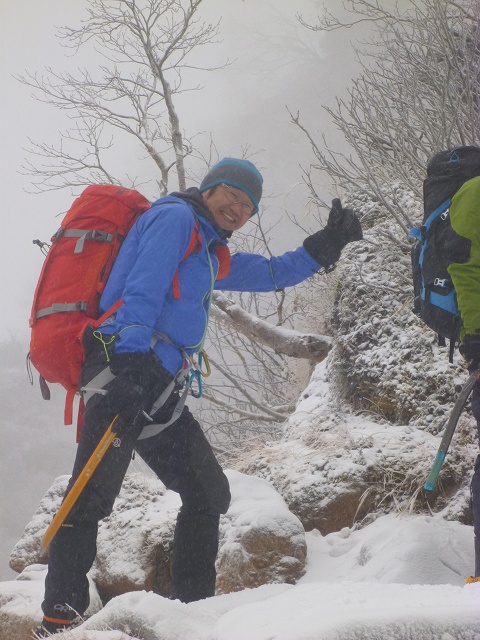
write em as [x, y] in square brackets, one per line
[91, 507]
[212, 497]
[218, 495]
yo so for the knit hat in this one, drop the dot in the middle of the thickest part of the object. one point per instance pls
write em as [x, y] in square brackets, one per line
[241, 174]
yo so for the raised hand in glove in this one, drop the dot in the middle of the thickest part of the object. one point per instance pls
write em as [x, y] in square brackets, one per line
[470, 350]
[342, 227]
[136, 375]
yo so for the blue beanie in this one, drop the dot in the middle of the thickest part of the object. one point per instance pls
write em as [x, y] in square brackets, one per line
[238, 173]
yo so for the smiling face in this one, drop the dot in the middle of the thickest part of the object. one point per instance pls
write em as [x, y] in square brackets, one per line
[230, 207]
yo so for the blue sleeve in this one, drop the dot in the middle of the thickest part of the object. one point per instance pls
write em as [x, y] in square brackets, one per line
[149, 259]
[251, 272]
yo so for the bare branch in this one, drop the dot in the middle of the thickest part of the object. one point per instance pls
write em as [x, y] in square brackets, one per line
[145, 46]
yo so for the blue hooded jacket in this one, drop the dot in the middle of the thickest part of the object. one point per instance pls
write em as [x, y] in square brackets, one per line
[146, 265]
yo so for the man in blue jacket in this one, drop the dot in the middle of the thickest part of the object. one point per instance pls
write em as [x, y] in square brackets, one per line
[168, 266]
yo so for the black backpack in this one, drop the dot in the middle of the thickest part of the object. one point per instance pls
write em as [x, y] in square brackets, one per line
[438, 245]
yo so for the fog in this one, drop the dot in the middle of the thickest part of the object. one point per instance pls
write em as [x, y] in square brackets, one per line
[276, 64]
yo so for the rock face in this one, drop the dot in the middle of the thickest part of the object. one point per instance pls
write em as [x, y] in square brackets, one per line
[260, 540]
[365, 431]
[334, 468]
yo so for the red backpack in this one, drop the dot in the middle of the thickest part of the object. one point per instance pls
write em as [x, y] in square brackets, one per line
[72, 280]
[73, 277]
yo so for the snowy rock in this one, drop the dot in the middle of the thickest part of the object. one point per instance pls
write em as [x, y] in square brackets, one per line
[334, 468]
[400, 577]
[28, 549]
[260, 540]
[365, 431]
[387, 361]
[395, 549]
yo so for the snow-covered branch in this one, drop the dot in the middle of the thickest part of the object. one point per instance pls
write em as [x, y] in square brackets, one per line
[285, 341]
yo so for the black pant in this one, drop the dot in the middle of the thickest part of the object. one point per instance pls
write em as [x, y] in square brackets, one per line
[475, 485]
[182, 458]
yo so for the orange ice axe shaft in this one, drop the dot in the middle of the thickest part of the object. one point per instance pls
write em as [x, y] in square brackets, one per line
[79, 485]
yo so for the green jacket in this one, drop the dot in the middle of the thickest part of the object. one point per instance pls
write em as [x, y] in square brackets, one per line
[465, 221]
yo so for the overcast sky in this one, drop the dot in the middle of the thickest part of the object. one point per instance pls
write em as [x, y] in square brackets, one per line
[277, 64]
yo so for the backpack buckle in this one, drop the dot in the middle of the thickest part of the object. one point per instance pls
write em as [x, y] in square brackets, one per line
[441, 282]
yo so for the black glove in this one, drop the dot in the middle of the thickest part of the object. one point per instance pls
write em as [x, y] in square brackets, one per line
[470, 350]
[343, 227]
[136, 376]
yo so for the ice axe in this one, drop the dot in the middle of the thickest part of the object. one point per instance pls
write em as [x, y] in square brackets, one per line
[79, 485]
[450, 430]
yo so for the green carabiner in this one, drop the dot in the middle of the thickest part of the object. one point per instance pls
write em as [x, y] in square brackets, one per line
[203, 356]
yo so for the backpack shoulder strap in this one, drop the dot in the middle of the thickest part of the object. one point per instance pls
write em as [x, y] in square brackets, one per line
[194, 246]
[224, 261]
[195, 243]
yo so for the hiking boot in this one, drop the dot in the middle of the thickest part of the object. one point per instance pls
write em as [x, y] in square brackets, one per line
[49, 628]
[471, 580]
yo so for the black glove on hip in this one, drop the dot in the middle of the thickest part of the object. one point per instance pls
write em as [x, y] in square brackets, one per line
[136, 377]
[470, 350]
[343, 226]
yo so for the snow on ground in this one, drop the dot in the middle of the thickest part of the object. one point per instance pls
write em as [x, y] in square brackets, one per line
[401, 577]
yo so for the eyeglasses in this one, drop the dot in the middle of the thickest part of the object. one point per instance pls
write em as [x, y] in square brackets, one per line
[234, 199]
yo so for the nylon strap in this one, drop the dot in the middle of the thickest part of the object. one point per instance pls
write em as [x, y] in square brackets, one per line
[160, 401]
[57, 620]
[109, 312]
[60, 308]
[68, 409]
[154, 429]
[97, 384]
[87, 234]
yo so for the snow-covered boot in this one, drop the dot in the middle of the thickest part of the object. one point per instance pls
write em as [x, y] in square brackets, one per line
[48, 628]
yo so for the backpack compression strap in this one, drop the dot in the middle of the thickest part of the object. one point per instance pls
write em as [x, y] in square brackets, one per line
[194, 247]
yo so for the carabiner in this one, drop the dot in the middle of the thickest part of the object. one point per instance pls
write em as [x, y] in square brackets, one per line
[195, 375]
[203, 356]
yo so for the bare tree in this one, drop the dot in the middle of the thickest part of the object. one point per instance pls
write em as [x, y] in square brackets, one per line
[146, 49]
[418, 93]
